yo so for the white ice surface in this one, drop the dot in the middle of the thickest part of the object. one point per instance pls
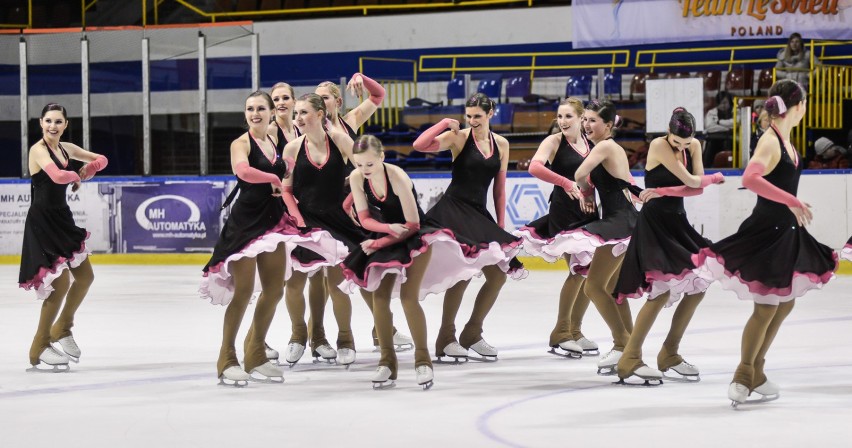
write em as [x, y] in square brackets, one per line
[147, 378]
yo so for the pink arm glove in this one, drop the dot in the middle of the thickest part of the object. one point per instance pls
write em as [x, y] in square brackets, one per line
[538, 170]
[426, 142]
[348, 203]
[60, 176]
[500, 197]
[679, 191]
[377, 92]
[256, 176]
[710, 179]
[386, 241]
[754, 181]
[371, 224]
[292, 206]
[94, 166]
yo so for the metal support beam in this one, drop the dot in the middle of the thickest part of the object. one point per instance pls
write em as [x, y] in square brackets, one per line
[146, 107]
[202, 103]
[85, 93]
[22, 61]
[255, 62]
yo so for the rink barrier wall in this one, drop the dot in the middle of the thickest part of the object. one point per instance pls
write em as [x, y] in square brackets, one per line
[177, 220]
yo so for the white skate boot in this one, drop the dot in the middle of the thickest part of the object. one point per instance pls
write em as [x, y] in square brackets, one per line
[768, 391]
[425, 375]
[345, 357]
[683, 372]
[589, 346]
[328, 354]
[738, 394]
[54, 361]
[294, 353]
[455, 351]
[267, 373]
[567, 349]
[381, 378]
[69, 346]
[486, 352]
[402, 342]
[234, 376]
[608, 362]
[272, 355]
[650, 377]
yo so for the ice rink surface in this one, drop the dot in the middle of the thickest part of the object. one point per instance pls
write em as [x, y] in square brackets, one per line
[147, 377]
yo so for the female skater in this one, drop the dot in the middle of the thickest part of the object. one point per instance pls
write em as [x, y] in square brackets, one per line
[546, 237]
[395, 260]
[251, 244]
[599, 246]
[479, 157]
[658, 261]
[53, 244]
[771, 259]
[314, 195]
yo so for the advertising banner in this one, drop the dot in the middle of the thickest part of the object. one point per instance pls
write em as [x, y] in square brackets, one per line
[613, 23]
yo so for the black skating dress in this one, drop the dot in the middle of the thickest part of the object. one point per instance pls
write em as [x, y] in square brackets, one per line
[453, 257]
[547, 237]
[618, 218]
[52, 241]
[462, 208]
[257, 223]
[659, 257]
[771, 259]
[319, 192]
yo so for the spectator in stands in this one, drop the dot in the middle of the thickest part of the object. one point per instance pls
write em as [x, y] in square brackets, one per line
[760, 127]
[829, 155]
[718, 127]
[794, 61]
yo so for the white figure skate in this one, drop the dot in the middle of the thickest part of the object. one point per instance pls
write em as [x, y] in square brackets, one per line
[683, 372]
[567, 349]
[294, 353]
[486, 352]
[324, 354]
[381, 378]
[455, 351]
[425, 377]
[589, 346]
[608, 362]
[234, 376]
[649, 376]
[267, 373]
[54, 362]
[69, 346]
[346, 357]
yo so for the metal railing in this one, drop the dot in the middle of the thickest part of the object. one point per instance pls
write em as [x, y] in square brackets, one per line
[398, 92]
[365, 9]
[618, 59]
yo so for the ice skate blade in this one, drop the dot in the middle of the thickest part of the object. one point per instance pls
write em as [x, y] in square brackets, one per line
[648, 382]
[265, 379]
[50, 368]
[232, 383]
[678, 378]
[384, 385]
[427, 385]
[483, 358]
[455, 359]
[592, 352]
[403, 347]
[606, 371]
[565, 353]
[329, 361]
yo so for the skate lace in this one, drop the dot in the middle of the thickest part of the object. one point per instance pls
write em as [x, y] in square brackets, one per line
[686, 364]
[422, 370]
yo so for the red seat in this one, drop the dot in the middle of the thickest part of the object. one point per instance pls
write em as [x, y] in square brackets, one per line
[677, 75]
[764, 81]
[637, 84]
[712, 81]
[740, 82]
[723, 159]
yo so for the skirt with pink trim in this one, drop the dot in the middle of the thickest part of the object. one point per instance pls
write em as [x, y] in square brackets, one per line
[52, 243]
[217, 285]
[769, 262]
[846, 252]
[581, 246]
[688, 282]
[42, 280]
[451, 261]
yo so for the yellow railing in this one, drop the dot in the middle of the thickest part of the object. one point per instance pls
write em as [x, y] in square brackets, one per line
[29, 23]
[619, 59]
[365, 9]
[397, 93]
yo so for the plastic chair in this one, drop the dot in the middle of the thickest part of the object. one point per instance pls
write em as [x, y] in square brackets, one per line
[764, 81]
[579, 86]
[517, 87]
[740, 81]
[491, 87]
[612, 84]
[455, 90]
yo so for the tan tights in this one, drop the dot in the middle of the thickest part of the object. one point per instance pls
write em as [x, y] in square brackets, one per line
[270, 269]
[50, 328]
[410, 298]
[573, 303]
[472, 332]
[603, 274]
[668, 357]
[759, 332]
